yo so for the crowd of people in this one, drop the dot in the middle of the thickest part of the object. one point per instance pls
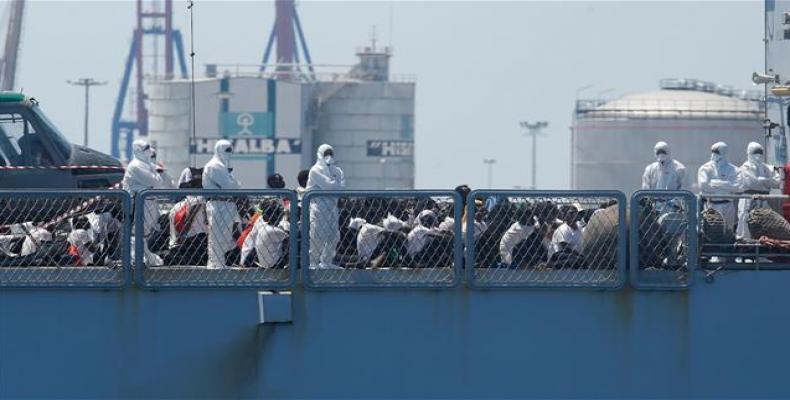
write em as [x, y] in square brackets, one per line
[345, 231]
[364, 232]
[90, 238]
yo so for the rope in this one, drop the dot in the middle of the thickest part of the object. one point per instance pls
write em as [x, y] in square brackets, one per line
[65, 167]
[80, 208]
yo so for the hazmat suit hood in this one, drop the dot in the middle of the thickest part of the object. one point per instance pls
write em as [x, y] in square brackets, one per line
[755, 153]
[356, 223]
[719, 153]
[321, 158]
[663, 159]
[424, 214]
[392, 223]
[142, 151]
[222, 151]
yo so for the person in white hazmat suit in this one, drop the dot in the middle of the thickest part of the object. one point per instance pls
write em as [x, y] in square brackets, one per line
[719, 176]
[139, 175]
[754, 177]
[221, 213]
[34, 237]
[665, 173]
[324, 217]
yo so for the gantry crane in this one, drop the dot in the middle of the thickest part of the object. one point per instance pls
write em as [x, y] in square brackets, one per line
[12, 39]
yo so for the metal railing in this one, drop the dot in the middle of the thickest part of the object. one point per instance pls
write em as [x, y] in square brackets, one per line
[212, 238]
[302, 72]
[668, 109]
[546, 239]
[756, 236]
[371, 239]
[663, 232]
[65, 239]
[368, 239]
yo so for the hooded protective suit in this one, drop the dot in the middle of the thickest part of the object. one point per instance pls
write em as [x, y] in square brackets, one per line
[368, 238]
[141, 174]
[718, 176]
[754, 177]
[34, 236]
[665, 173]
[419, 235]
[79, 241]
[324, 218]
[221, 213]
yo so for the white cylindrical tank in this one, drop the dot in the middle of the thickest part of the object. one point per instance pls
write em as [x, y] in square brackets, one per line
[612, 141]
[348, 114]
[355, 113]
[169, 123]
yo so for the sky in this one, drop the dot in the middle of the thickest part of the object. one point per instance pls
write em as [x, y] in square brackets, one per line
[480, 67]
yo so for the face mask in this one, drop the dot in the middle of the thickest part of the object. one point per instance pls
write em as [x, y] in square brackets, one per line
[662, 158]
[329, 160]
[756, 158]
[224, 155]
[147, 152]
[715, 157]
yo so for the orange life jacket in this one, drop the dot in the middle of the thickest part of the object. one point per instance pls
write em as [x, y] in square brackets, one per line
[247, 230]
[75, 254]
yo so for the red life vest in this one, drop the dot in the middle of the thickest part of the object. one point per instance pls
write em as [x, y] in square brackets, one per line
[75, 254]
[180, 218]
[247, 230]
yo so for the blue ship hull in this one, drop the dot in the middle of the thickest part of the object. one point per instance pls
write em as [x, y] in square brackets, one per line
[721, 339]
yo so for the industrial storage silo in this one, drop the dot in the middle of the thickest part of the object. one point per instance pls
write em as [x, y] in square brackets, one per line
[276, 123]
[612, 141]
[262, 117]
[369, 119]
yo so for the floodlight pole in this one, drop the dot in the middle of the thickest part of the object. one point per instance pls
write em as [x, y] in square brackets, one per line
[87, 83]
[490, 163]
[534, 130]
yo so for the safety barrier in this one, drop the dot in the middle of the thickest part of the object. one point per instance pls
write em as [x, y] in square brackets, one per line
[84, 238]
[75, 239]
[381, 239]
[546, 239]
[757, 239]
[212, 238]
[664, 248]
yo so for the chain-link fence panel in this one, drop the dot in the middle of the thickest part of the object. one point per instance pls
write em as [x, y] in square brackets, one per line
[545, 239]
[74, 239]
[664, 239]
[381, 239]
[744, 231]
[212, 238]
